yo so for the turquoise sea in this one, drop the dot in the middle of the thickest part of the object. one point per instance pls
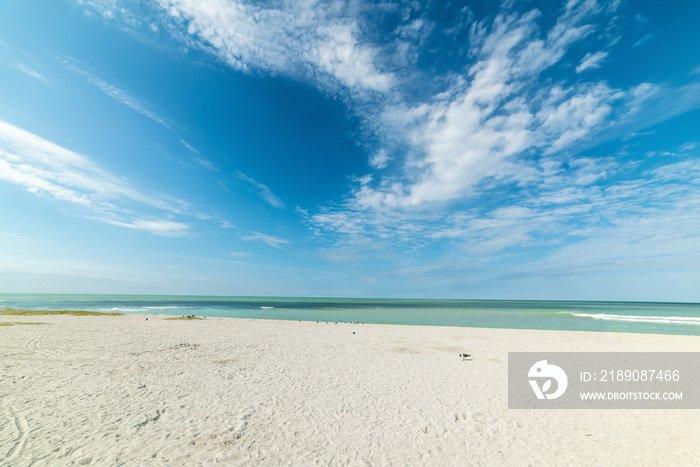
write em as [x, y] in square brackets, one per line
[655, 318]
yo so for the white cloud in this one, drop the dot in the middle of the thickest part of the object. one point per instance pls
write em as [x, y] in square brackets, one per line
[162, 227]
[490, 123]
[591, 61]
[262, 191]
[48, 170]
[45, 168]
[297, 38]
[636, 134]
[107, 8]
[643, 40]
[590, 170]
[36, 181]
[206, 163]
[137, 105]
[593, 213]
[640, 19]
[117, 94]
[632, 240]
[189, 146]
[479, 128]
[687, 147]
[688, 171]
[380, 159]
[338, 54]
[34, 74]
[275, 242]
[572, 119]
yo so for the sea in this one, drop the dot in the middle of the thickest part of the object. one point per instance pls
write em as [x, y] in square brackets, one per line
[638, 317]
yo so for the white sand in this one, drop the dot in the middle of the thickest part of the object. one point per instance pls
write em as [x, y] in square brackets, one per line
[126, 391]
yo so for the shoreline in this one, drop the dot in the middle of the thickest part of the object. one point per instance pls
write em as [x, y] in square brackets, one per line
[179, 316]
[99, 390]
[16, 319]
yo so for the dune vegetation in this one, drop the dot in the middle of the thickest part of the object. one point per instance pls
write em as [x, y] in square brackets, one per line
[14, 312]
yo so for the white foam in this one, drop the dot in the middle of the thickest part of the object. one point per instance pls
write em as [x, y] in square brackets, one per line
[686, 320]
[148, 308]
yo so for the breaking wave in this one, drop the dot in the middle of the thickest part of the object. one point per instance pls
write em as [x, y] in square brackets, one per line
[138, 309]
[681, 320]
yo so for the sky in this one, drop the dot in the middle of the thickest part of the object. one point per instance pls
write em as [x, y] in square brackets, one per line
[437, 149]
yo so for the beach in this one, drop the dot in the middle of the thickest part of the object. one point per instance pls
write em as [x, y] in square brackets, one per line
[145, 390]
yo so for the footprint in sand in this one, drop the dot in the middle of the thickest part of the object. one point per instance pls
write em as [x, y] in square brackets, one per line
[22, 431]
[34, 346]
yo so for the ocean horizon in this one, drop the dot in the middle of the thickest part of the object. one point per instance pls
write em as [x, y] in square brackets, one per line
[602, 316]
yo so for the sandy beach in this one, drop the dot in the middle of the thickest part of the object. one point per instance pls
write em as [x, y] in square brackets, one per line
[125, 390]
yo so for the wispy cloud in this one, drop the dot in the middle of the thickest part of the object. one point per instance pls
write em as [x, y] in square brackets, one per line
[314, 40]
[380, 160]
[474, 132]
[136, 105]
[206, 163]
[475, 126]
[162, 227]
[275, 242]
[116, 93]
[262, 191]
[574, 220]
[476, 122]
[338, 53]
[636, 134]
[198, 159]
[687, 147]
[486, 120]
[643, 40]
[591, 60]
[51, 171]
[33, 73]
[640, 20]
[213, 260]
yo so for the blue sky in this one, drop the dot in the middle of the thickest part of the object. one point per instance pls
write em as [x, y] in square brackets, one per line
[506, 150]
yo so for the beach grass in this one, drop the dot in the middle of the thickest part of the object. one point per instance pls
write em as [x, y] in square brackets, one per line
[14, 312]
[184, 317]
[16, 323]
